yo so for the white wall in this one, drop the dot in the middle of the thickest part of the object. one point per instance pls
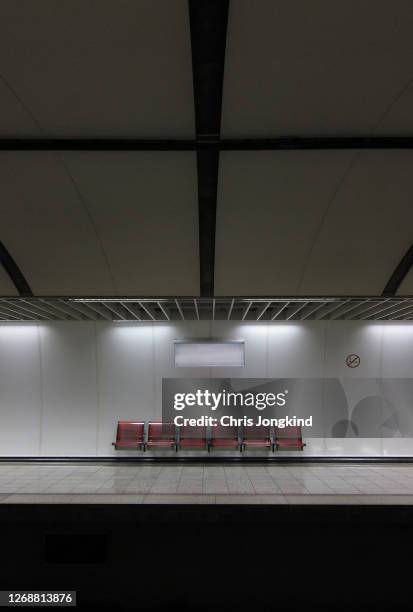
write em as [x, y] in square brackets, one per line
[64, 385]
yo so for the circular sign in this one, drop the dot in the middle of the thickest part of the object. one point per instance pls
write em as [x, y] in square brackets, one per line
[353, 360]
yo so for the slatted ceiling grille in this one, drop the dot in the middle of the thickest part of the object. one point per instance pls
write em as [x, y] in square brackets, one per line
[253, 309]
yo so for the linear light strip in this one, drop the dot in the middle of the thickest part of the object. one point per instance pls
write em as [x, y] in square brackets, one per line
[279, 311]
[230, 309]
[296, 311]
[180, 310]
[390, 314]
[246, 311]
[333, 309]
[264, 310]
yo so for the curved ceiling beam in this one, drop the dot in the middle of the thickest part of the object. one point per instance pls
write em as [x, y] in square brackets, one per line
[399, 273]
[14, 272]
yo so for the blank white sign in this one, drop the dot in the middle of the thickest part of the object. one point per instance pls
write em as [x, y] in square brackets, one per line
[209, 354]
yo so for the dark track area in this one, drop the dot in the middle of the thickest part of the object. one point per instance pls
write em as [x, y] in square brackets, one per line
[211, 557]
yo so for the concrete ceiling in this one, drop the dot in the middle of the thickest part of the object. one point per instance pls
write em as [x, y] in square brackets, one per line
[318, 68]
[98, 68]
[126, 223]
[101, 223]
[312, 223]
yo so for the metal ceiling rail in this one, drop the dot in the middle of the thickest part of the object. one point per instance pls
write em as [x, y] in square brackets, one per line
[165, 309]
[208, 142]
[196, 309]
[393, 312]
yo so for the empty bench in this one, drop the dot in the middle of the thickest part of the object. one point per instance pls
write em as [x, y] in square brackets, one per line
[130, 435]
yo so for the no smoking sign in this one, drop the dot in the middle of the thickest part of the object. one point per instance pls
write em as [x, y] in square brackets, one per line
[353, 360]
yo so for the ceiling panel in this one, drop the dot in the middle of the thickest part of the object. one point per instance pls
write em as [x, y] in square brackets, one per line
[312, 223]
[109, 68]
[367, 229]
[318, 68]
[46, 227]
[6, 285]
[101, 223]
[145, 211]
[269, 207]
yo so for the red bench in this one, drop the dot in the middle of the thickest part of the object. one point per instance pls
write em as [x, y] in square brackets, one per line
[224, 437]
[192, 437]
[130, 436]
[161, 435]
[256, 436]
[288, 438]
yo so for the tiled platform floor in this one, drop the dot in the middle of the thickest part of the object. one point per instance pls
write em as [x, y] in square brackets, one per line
[209, 484]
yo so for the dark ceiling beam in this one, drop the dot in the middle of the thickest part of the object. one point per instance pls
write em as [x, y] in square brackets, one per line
[208, 22]
[399, 274]
[208, 142]
[14, 272]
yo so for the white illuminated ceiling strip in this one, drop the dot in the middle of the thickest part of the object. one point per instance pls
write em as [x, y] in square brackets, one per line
[42, 310]
[264, 310]
[148, 312]
[66, 309]
[196, 309]
[395, 305]
[296, 311]
[405, 315]
[230, 309]
[246, 311]
[14, 316]
[180, 309]
[333, 309]
[132, 312]
[164, 311]
[390, 314]
[279, 311]
[99, 309]
[364, 310]
[80, 308]
[313, 310]
[24, 309]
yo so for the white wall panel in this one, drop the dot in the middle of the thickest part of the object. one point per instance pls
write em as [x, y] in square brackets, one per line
[70, 408]
[20, 390]
[256, 348]
[164, 336]
[126, 378]
[296, 350]
[397, 350]
[64, 385]
[347, 337]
